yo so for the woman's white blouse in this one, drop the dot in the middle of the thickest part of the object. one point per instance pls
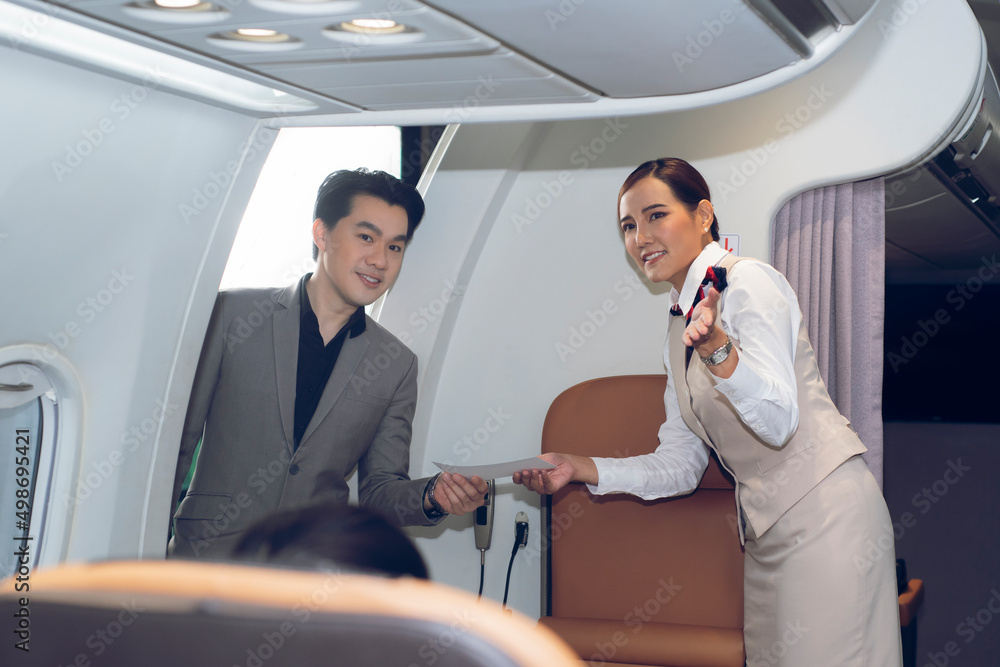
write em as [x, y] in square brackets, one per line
[760, 311]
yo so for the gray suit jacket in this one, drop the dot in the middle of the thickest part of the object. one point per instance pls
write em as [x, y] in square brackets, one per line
[244, 401]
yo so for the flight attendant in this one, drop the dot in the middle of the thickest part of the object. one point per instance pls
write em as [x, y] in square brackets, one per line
[742, 380]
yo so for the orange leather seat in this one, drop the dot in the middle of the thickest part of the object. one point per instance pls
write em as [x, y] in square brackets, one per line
[631, 581]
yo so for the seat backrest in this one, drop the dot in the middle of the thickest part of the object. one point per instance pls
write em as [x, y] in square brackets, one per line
[620, 558]
[168, 613]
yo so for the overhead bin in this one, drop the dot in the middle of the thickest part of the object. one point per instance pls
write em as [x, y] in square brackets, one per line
[956, 189]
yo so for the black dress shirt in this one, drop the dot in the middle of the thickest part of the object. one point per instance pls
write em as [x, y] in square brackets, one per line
[316, 360]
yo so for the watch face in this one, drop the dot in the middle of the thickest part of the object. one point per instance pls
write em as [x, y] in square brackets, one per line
[719, 355]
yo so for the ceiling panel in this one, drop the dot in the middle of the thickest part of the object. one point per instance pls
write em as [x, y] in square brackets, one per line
[459, 95]
[925, 219]
[566, 51]
[501, 78]
[438, 62]
[635, 49]
[433, 33]
[898, 260]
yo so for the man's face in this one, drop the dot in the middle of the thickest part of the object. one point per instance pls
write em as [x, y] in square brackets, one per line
[361, 256]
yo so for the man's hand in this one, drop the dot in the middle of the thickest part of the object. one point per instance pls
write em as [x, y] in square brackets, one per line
[456, 494]
[569, 468]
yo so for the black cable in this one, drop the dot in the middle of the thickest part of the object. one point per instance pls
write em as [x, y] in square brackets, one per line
[520, 539]
[482, 570]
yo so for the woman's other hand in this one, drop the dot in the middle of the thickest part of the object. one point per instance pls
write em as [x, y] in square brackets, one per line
[705, 337]
[701, 333]
[569, 468]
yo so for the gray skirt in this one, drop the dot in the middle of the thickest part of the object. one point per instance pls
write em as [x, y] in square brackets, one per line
[820, 584]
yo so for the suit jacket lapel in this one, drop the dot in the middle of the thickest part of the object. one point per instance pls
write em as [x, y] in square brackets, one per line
[347, 363]
[286, 357]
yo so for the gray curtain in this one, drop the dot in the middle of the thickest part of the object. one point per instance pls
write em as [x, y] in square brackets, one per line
[830, 244]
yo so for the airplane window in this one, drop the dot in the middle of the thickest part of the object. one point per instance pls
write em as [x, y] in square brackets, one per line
[27, 430]
[273, 246]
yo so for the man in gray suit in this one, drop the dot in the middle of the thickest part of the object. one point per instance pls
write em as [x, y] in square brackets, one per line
[296, 386]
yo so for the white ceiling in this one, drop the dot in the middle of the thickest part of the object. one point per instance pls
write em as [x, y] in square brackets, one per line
[472, 60]
[458, 53]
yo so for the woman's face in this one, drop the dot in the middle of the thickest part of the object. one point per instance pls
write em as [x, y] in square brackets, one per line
[661, 234]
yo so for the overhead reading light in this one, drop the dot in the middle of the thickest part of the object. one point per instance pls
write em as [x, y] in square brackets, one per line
[178, 4]
[373, 31]
[260, 33]
[176, 11]
[373, 26]
[255, 39]
[104, 53]
[308, 6]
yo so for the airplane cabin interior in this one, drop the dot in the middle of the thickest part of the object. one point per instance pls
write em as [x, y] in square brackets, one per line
[140, 137]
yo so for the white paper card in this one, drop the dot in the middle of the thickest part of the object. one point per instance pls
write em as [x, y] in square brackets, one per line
[497, 470]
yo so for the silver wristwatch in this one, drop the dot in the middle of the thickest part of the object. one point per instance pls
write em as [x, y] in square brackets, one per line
[719, 355]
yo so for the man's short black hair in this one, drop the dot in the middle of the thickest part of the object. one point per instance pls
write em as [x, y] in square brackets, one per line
[336, 197]
[331, 535]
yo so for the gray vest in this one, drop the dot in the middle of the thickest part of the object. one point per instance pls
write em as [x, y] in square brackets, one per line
[769, 480]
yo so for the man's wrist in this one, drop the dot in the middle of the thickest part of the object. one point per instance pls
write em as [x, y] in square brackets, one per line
[435, 510]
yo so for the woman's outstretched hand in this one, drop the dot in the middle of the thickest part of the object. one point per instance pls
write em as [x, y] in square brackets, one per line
[702, 332]
[705, 335]
[569, 468]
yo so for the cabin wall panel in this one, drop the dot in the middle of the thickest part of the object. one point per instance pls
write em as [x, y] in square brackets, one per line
[119, 201]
